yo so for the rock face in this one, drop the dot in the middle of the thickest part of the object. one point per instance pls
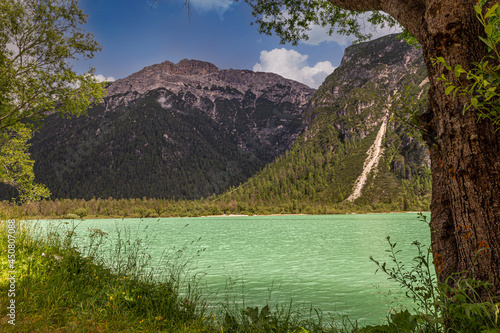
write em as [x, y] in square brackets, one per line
[262, 110]
[184, 130]
[356, 99]
[369, 74]
[346, 123]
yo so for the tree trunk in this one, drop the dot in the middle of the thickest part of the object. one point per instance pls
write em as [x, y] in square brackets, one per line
[465, 152]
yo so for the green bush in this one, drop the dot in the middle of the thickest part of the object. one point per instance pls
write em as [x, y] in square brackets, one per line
[81, 212]
[458, 305]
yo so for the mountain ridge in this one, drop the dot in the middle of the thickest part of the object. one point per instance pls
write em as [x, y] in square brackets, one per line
[190, 130]
[193, 75]
[185, 130]
[342, 122]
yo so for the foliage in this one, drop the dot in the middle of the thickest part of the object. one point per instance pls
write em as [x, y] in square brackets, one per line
[16, 167]
[82, 283]
[410, 39]
[461, 305]
[321, 172]
[292, 19]
[152, 208]
[38, 42]
[482, 83]
[471, 306]
[419, 282]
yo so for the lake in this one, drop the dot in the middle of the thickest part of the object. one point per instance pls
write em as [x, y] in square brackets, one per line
[320, 260]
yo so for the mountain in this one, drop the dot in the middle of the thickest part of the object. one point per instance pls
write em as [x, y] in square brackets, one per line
[351, 151]
[184, 130]
[190, 130]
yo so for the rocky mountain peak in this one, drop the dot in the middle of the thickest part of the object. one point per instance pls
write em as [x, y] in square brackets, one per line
[387, 51]
[185, 67]
[204, 80]
[380, 68]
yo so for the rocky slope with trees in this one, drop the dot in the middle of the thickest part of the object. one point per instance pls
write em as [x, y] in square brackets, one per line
[185, 130]
[343, 121]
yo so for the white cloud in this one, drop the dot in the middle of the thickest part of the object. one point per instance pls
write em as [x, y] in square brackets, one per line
[13, 48]
[102, 78]
[293, 65]
[220, 6]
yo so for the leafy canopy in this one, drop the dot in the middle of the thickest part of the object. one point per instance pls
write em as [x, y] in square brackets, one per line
[292, 19]
[16, 165]
[39, 39]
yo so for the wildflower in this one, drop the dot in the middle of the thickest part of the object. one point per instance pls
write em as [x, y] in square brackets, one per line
[43, 254]
[159, 318]
[111, 298]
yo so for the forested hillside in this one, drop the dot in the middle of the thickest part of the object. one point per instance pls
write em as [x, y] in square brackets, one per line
[344, 118]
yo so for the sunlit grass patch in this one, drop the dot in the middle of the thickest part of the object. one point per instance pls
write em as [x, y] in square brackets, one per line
[60, 286]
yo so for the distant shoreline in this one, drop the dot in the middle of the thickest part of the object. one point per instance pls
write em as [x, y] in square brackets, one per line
[210, 216]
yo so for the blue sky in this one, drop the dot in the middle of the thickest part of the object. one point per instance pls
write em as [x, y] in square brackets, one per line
[135, 34]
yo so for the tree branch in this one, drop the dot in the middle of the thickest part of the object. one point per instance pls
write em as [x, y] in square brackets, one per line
[409, 13]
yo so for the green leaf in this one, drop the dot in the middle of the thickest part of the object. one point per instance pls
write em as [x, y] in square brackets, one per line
[474, 102]
[488, 29]
[42, 76]
[448, 90]
[440, 60]
[487, 42]
[490, 11]
[459, 70]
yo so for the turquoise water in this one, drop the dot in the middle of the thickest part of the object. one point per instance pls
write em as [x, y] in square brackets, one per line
[321, 261]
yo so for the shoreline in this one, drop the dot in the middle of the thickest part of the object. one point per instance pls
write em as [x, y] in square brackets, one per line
[211, 216]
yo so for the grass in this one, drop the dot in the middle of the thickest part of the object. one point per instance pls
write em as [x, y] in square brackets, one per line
[60, 288]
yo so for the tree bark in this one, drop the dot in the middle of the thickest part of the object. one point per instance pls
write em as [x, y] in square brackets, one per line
[465, 151]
